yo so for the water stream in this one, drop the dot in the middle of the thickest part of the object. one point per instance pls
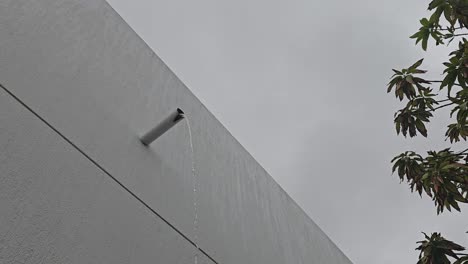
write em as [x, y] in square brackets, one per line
[195, 194]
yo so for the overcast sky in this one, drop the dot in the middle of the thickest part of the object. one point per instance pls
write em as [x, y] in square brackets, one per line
[301, 84]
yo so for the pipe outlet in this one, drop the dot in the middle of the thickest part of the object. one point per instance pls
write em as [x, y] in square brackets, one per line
[162, 127]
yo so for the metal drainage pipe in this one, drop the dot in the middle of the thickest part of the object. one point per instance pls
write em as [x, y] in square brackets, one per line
[163, 127]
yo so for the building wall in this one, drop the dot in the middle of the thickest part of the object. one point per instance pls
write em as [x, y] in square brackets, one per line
[78, 87]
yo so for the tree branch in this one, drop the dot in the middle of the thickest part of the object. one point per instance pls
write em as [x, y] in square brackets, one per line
[442, 106]
[462, 152]
[456, 84]
[451, 29]
[445, 100]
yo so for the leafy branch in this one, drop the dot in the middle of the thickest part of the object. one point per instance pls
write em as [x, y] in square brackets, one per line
[441, 175]
[437, 250]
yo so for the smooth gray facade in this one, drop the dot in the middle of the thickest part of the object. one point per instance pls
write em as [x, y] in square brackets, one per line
[77, 186]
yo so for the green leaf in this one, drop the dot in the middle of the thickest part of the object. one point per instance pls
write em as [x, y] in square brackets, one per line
[416, 35]
[417, 71]
[454, 204]
[449, 80]
[416, 65]
[448, 13]
[421, 128]
[461, 80]
[454, 60]
[436, 16]
[424, 22]
[424, 42]
[397, 72]
[435, 3]
[425, 176]
[409, 79]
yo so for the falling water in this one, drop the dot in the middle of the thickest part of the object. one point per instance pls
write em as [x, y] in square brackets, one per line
[195, 194]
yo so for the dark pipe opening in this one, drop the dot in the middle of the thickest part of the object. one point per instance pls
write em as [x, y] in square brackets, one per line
[180, 115]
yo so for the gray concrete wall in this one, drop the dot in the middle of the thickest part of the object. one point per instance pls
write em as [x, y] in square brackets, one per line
[57, 207]
[77, 185]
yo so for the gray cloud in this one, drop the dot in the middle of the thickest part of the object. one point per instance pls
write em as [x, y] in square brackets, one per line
[316, 73]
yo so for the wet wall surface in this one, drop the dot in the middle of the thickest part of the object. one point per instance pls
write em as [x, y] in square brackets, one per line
[78, 89]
